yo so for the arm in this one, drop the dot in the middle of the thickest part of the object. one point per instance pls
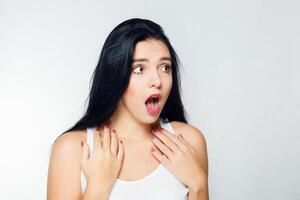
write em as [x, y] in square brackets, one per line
[198, 194]
[197, 140]
[64, 171]
[90, 194]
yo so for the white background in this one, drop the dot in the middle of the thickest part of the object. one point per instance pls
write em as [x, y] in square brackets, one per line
[240, 80]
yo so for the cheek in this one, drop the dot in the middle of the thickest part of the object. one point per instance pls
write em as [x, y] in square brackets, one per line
[133, 92]
[169, 83]
[131, 89]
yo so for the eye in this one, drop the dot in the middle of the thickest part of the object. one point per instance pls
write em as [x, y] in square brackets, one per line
[138, 69]
[167, 68]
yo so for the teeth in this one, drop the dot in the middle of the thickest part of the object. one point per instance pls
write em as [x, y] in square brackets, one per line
[153, 101]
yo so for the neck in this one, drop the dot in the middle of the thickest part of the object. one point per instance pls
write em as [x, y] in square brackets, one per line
[129, 129]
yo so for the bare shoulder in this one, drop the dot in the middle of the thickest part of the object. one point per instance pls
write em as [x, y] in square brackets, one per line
[68, 146]
[64, 166]
[67, 141]
[189, 132]
[195, 138]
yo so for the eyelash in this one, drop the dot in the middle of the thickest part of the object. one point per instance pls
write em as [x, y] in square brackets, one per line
[139, 66]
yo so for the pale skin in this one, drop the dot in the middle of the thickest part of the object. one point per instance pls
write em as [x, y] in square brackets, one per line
[186, 158]
[182, 160]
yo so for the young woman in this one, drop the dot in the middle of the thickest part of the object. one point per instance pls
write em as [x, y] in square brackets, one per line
[134, 141]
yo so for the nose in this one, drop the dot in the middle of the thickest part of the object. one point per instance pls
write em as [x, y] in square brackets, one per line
[155, 80]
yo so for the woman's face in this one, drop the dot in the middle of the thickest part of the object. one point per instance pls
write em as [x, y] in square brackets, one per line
[151, 74]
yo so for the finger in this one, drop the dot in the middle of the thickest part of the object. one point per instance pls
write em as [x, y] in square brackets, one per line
[106, 138]
[185, 143]
[175, 138]
[97, 140]
[166, 140]
[120, 153]
[114, 142]
[162, 147]
[172, 136]
[160, 157]
[85, 153]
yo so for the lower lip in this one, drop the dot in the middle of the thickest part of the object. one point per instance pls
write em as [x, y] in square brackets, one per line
[153, 110]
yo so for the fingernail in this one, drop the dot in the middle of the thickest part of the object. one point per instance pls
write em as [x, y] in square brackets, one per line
[152, 136]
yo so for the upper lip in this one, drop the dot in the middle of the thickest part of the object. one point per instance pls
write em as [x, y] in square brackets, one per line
[156, 95]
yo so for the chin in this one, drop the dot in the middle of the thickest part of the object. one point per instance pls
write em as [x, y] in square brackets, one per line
[149, 119]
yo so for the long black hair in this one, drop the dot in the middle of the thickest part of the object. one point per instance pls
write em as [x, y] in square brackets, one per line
[111, 75]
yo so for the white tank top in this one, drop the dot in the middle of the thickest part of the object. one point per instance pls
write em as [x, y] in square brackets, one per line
[160, 184]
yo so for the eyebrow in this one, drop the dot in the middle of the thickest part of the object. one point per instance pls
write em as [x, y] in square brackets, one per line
[146, 60]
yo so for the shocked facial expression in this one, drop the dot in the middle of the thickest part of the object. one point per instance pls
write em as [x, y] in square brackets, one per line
[150, 81]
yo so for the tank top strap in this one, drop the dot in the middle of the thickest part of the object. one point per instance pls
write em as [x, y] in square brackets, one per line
[90, 142]
[90, 138]
[167, 126]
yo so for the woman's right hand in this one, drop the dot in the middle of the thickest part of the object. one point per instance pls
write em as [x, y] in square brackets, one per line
[101, 167]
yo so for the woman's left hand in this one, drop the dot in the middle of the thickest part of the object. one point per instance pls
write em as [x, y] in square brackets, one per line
[176, 154]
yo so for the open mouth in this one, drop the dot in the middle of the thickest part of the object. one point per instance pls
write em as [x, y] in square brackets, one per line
[153, 104]
[152, 100]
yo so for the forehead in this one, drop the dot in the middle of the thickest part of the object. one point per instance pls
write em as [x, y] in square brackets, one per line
[151, 49]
